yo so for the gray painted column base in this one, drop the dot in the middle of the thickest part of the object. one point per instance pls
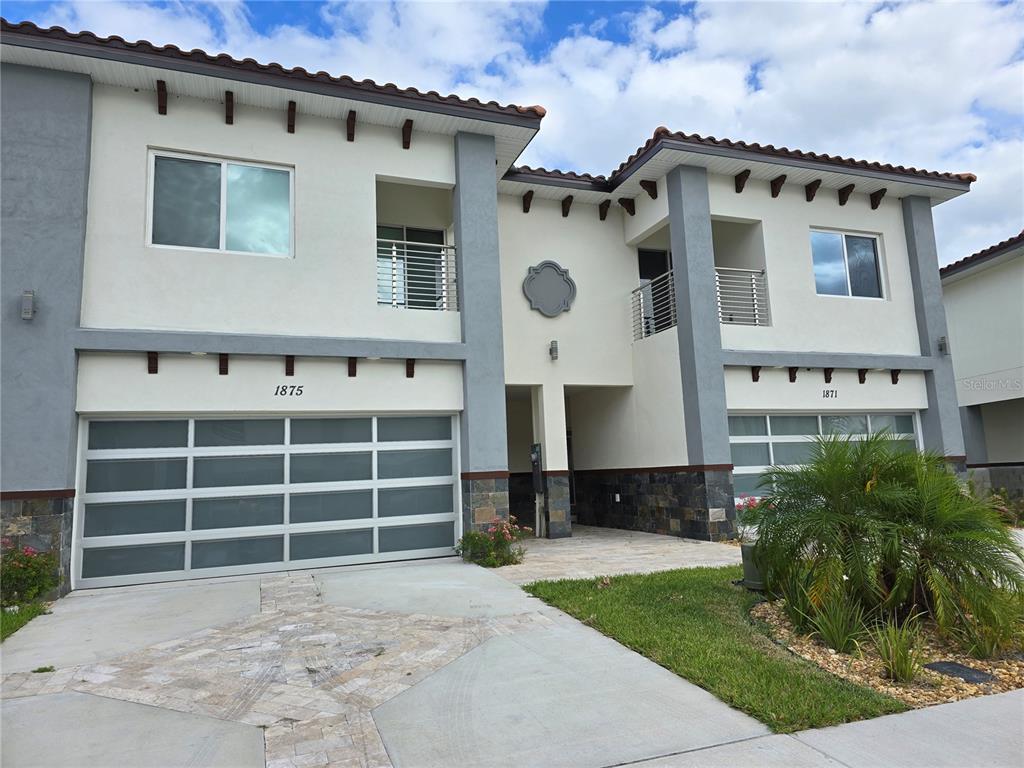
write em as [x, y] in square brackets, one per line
[692, 505]
[559, 512]
[44, 525]
[483, 502]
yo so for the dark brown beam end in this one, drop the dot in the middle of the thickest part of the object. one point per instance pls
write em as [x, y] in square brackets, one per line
[755, 373]
[602, 209]
[350, 125]
[566, 205]
[410, 368]
[407, 134]
[152, 362]
[628, 205]
[862, 375]
[894, 374]
[777, 183]
[876, 198]
[353, 364]
[741, 180]
[650, 187]
[161, 97]
[289, 365]
[844, 193]
[229, 107]
[792, 373]
[222, 362]
[828, 375]
[810, 190]
[527, 200]
[291, 117]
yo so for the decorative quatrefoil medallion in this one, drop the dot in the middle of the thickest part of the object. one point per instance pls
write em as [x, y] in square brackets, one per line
[549, 289]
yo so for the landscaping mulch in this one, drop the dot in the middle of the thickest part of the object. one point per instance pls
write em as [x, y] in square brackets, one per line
[864, 667]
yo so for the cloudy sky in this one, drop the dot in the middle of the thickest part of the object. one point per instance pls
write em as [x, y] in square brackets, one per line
[934, 85]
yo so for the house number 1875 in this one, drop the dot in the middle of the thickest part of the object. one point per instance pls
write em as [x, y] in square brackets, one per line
[288, 390]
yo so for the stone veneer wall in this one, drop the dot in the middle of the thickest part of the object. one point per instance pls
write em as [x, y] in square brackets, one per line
[559, 512]
[45, 525]
[689, 504]
[483, 500]
[1010, 477]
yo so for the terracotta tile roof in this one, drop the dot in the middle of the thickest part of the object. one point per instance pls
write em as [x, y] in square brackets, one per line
[602, 183]
[344, 82]
[983, 255]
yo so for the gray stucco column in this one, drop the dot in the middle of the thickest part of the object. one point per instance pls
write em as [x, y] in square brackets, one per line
[484, 447]
[45, 124]
[700, 337]
[940, 421]
[45, 136]
[974, 434]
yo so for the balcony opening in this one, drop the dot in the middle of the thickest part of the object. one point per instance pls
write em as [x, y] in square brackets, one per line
[653, 300]
[740, 279]
[415, 250]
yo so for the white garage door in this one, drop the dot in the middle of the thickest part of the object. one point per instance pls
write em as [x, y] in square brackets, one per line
[182, 498]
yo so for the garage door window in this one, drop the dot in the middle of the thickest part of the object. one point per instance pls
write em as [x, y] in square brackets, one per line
[760, 441]
[172, 498]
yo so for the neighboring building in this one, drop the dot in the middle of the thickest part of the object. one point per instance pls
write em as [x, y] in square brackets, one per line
[258, 318]
[984, 298]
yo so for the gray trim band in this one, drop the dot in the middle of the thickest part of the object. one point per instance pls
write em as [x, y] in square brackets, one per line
[156, 61]
[852, 360]
[104, 340]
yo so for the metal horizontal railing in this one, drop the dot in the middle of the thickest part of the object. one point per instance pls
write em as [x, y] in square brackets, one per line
[742, 296]
[654, 306]
[413, 275]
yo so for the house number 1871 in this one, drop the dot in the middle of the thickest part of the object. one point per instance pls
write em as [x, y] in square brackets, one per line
[288, 390]
[830, 394]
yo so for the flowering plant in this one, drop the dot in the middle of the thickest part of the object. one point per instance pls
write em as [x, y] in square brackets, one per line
[746, 517]
[26, 574]
[496, 545]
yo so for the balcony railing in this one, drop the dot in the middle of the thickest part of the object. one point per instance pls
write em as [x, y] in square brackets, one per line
[654, 306]
[413, 275]
[742, 296]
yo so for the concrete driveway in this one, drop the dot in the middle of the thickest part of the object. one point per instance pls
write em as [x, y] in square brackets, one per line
[436, 663]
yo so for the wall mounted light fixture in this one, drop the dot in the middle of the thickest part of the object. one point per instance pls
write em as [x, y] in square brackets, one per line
[553, 349]
[28, 305]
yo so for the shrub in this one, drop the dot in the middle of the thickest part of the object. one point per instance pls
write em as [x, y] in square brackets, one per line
[25, 574]
[897, 645]
[1010, 510]
[895, 531]
[839, 622]
[796, 601]
[496, 546]
[1000, 630]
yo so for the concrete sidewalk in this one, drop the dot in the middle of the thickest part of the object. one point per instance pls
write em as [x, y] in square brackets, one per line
[986, 732]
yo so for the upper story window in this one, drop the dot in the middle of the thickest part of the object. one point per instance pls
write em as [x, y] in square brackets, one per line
[846, 265]
[220, 205]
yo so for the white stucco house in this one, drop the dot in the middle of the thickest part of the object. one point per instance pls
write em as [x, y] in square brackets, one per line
[258, 318]
[984, 298]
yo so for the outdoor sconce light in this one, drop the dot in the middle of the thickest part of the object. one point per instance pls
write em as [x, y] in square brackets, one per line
[28, 305]
[553, 349]
[943, 345]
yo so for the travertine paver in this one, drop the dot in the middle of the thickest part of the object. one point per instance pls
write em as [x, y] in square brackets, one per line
[309, 673]
[592, 552]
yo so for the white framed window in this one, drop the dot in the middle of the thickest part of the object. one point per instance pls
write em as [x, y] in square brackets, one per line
[846, 264]
[759, 441]
[197, 202]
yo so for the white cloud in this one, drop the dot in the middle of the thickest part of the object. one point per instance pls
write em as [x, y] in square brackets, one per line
[935, 85]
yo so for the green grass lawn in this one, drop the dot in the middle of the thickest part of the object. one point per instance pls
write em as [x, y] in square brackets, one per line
[12, 621]
[695, 623]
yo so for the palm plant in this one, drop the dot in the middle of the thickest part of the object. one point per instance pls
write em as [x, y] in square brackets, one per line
[827, 514]
[897, 532]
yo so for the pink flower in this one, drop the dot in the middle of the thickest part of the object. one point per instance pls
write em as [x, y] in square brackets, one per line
[30, 551]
